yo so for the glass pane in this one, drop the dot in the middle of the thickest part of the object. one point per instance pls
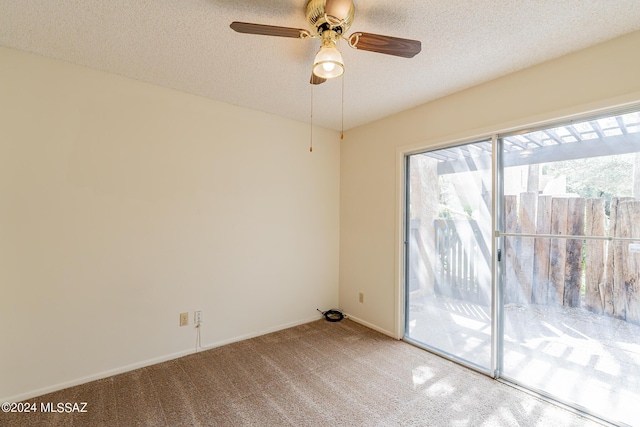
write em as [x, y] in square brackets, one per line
[572, 304]
[449, 259]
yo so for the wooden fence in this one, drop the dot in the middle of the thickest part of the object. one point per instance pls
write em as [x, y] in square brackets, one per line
[463, 270]
[599, 275]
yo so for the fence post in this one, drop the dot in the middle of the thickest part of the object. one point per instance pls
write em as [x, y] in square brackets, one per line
[615, 299]
[510, 249]
[542, 247]
[527, 219]
[573, 260]
[595, 256]
[629, 218]
[523, 259]
[558, 251]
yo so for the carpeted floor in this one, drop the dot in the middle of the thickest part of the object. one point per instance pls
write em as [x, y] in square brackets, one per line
[317, 374]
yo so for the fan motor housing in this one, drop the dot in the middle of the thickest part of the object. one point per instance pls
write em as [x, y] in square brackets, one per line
[317, 17]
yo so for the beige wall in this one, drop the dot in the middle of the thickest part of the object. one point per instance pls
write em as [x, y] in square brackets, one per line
[123, 204]
[371, 158]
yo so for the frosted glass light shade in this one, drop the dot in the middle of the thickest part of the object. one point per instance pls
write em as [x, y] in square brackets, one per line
[328, 63]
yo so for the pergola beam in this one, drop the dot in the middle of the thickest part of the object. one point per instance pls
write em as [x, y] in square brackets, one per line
[607, 146]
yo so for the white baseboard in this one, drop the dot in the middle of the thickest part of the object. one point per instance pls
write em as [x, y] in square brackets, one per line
[100, 375]
[372, 326]
[258, 333]
[111, 372]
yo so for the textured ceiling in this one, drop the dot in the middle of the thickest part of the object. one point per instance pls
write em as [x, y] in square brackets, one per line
[188, 45]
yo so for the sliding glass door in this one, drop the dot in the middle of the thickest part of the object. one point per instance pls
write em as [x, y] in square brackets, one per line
[566, 281]
[571, 237]
[448, 302]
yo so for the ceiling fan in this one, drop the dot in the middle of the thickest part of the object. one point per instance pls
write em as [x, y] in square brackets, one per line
[331, 19]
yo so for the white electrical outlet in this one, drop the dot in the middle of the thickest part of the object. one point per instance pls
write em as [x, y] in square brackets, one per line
[184, 319]
[197, 317]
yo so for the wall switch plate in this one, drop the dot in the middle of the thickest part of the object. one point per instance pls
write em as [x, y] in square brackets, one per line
[184, 319]
[361, 297]
[197, 317]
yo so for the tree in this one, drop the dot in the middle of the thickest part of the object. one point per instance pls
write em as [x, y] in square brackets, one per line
[593, 177]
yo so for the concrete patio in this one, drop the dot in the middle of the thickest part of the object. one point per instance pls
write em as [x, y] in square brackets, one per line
[590, 360]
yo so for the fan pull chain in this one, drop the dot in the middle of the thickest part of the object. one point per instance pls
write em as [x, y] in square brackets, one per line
[342, 114]
[311, 129]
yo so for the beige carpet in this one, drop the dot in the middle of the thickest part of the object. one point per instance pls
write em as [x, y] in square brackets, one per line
[318, 374]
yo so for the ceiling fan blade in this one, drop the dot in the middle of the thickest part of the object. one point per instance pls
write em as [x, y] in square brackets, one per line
[269, 30]
[405, 48]
[338, 9]
[315, 80]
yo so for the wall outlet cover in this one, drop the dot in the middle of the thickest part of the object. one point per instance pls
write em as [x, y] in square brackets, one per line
[184, 319]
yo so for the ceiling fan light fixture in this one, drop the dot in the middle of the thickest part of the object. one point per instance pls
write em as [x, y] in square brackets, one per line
[328, 63]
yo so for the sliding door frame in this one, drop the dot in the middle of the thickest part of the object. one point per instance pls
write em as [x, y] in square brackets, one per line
[497, 276]
[406, 199]
[497, 247]
[500, 235]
